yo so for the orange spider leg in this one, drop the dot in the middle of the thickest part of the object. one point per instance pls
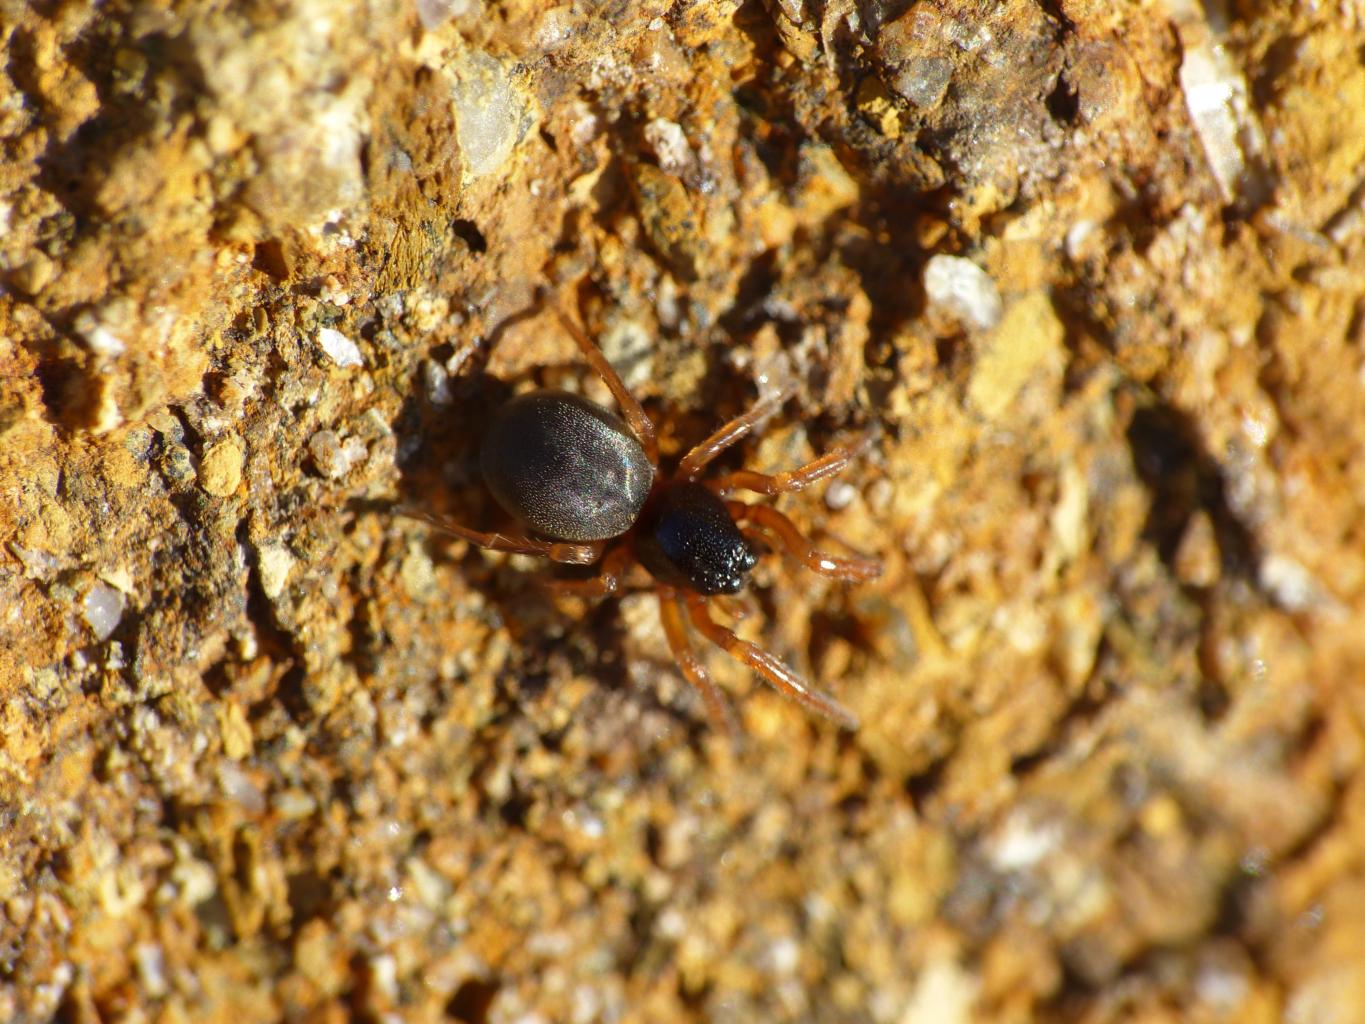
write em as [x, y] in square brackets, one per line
[607, 582]
[559, 551]
[771, 524]
[737, 606]
[696, 460]
[782, 678]
[795, 479]
[635, 415]
[675, 629]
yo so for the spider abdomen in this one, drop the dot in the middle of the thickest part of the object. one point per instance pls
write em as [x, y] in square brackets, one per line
[565, 467]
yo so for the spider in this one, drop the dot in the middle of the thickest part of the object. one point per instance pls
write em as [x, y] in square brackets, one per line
[587, 489]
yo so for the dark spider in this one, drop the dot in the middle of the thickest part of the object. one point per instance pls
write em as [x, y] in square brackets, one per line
[575, 475]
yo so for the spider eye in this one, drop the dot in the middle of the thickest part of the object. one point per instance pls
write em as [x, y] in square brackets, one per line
[730, 585]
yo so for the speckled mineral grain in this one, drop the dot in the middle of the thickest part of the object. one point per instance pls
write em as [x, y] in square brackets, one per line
[270, 750]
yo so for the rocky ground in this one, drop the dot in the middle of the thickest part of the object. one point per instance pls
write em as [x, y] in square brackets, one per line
[269, 750]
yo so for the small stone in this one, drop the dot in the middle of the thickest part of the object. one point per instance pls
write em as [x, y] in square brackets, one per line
[99, 328]
[325, 447]
[417, 575]
[944, 994]
[293, 804]
[628, 346]
[340, 349]
[435, 13]
[875, 104]
[668, 219]
[34, 274]
[1198, 561]
[555, 28]
[102, 609]
[962, 290]
[102, 341]
[151, 969]
[1027, 339]
[436, 383]
[38, 565]
[220, 469]
[924, 81]
[119, 578]
[491, 114]
[177, 464]
[235, 730]
[240, 787]
[824, 185]
[670, 146]
[105, 414]
[839, 495]
[1291, 584]
[274, 563]
[1220, 107]
[333, 456]
[316, 957]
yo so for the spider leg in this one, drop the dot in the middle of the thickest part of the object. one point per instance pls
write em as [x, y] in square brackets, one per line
[630, 407]
[737, 606]
[772, 524]
[675, 629]
[559, 551]
[782, 678]
[794, 479]
[607, 582]
[696, 460]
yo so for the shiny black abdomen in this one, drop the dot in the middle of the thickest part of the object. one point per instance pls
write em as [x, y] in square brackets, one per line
[688, 539]
[565, 467]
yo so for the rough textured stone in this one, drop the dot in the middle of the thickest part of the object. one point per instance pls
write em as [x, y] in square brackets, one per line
[220, 469]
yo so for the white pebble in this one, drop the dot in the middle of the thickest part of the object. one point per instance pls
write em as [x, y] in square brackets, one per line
[384, 973]
[391, 306]
[1077, 235]
[784, 955]
[1219, 104]
[839, 495]
[924, 81]
[434, 13]
[585, 125]
[274, 563]
[491, 114]
[1292, 585]
[38, 565]
[962, 290]
[339, 348]
[1222, 987]
[103, 342]
[151, 969]
[293, 804]
[103, 608]
[239, 787]
[333, 456]
[670, 146]
[436, 383]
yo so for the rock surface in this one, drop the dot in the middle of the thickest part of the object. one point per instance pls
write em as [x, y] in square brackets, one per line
[271, 751]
